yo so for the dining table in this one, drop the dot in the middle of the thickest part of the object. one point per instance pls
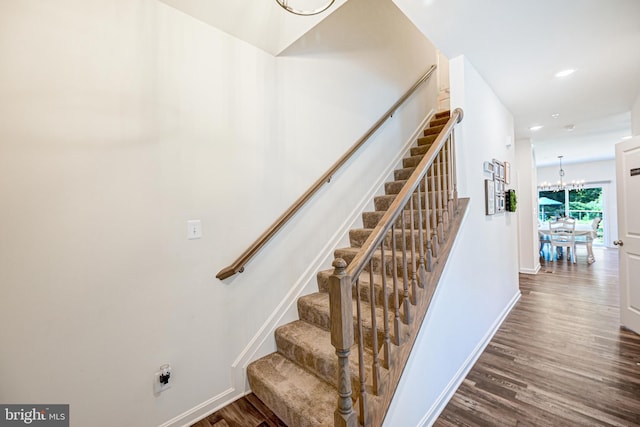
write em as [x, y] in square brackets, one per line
[584, 232]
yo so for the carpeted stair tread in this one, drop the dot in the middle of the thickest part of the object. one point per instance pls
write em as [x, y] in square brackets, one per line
[439, 121]
[394, 187]
[404, 173]
[413, 161]
[382, 203]
[357, 237]
[371, 219]
[297, 397]
[314, 309]
[365, 288]
[426, 141]
[419, 150]
[348, 254]
[310, 347]
[433, 130]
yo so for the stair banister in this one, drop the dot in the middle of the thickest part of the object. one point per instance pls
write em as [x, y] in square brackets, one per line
[345, 281]
[238, 265]
[391, 215]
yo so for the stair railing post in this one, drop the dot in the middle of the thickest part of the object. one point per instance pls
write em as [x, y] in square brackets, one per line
[454, 172]
[341, 312]
[439, 189]
[445, 187]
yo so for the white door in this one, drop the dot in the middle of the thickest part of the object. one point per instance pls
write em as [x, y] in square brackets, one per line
[628, 183]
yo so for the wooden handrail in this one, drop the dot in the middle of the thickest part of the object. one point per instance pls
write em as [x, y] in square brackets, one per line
[393, 212]
[238, 265]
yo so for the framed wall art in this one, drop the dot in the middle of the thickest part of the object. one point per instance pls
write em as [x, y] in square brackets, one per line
[490, 197]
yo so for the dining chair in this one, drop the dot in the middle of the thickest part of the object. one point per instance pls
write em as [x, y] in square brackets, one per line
[562, 234]
[589, 238]
[544, 239]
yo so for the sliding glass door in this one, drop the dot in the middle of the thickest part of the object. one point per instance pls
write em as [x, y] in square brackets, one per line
[583, 205]
[586, 205]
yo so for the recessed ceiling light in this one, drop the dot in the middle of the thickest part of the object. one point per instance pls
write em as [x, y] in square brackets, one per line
[627, 137]
[565, 73]
[536, 127]
[555, 115]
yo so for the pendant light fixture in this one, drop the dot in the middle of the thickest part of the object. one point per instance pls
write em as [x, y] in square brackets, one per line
[561, 185]
[305, 7]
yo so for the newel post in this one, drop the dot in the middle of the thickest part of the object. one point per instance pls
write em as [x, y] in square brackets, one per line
[341, 311]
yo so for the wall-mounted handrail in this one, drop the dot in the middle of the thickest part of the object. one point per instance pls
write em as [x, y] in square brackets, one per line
[394, 210]
[238, 265]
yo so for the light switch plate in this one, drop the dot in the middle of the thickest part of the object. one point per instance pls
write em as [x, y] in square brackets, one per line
[194, 229]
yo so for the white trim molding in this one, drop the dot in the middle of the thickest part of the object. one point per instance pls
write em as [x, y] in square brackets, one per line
[531, 270]
[202, 410]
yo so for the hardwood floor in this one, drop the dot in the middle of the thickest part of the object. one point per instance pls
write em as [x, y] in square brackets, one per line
[247, 411]
[559, 359]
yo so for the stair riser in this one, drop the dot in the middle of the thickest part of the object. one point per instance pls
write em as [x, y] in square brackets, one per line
[420, 150]
[439, 122]
[371, 219]
[394, 187]
[426, 141]
[434, 130]
[365, 289]
[404, 173]
[325, 368]
[322, 320]
[358, 236]
[377, 262]
[413, 161]
[280, 384]
[382, 203]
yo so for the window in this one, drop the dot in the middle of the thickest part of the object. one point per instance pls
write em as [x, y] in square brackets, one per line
[583, 205]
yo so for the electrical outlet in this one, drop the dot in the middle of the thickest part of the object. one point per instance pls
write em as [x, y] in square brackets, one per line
[194, 229]
[162, 379]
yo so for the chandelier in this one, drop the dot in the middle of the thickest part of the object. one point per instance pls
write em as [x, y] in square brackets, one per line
[305, 7]
[561, 185]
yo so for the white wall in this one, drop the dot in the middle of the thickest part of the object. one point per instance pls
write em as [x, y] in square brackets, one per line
[124, 119]
[635, 116]
[480, 282]
[527, 210]
[601, 174]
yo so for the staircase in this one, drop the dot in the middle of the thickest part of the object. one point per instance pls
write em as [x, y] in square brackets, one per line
[302, 381]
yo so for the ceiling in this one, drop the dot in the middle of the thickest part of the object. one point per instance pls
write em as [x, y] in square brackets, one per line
[261, 23]
[519, 46]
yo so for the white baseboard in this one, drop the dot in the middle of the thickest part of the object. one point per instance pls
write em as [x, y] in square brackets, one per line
[207, 407]
[531, 270]
[441, 402]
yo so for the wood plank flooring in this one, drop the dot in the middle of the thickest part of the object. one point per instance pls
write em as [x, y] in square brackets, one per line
[559, 359]
[247, 411]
